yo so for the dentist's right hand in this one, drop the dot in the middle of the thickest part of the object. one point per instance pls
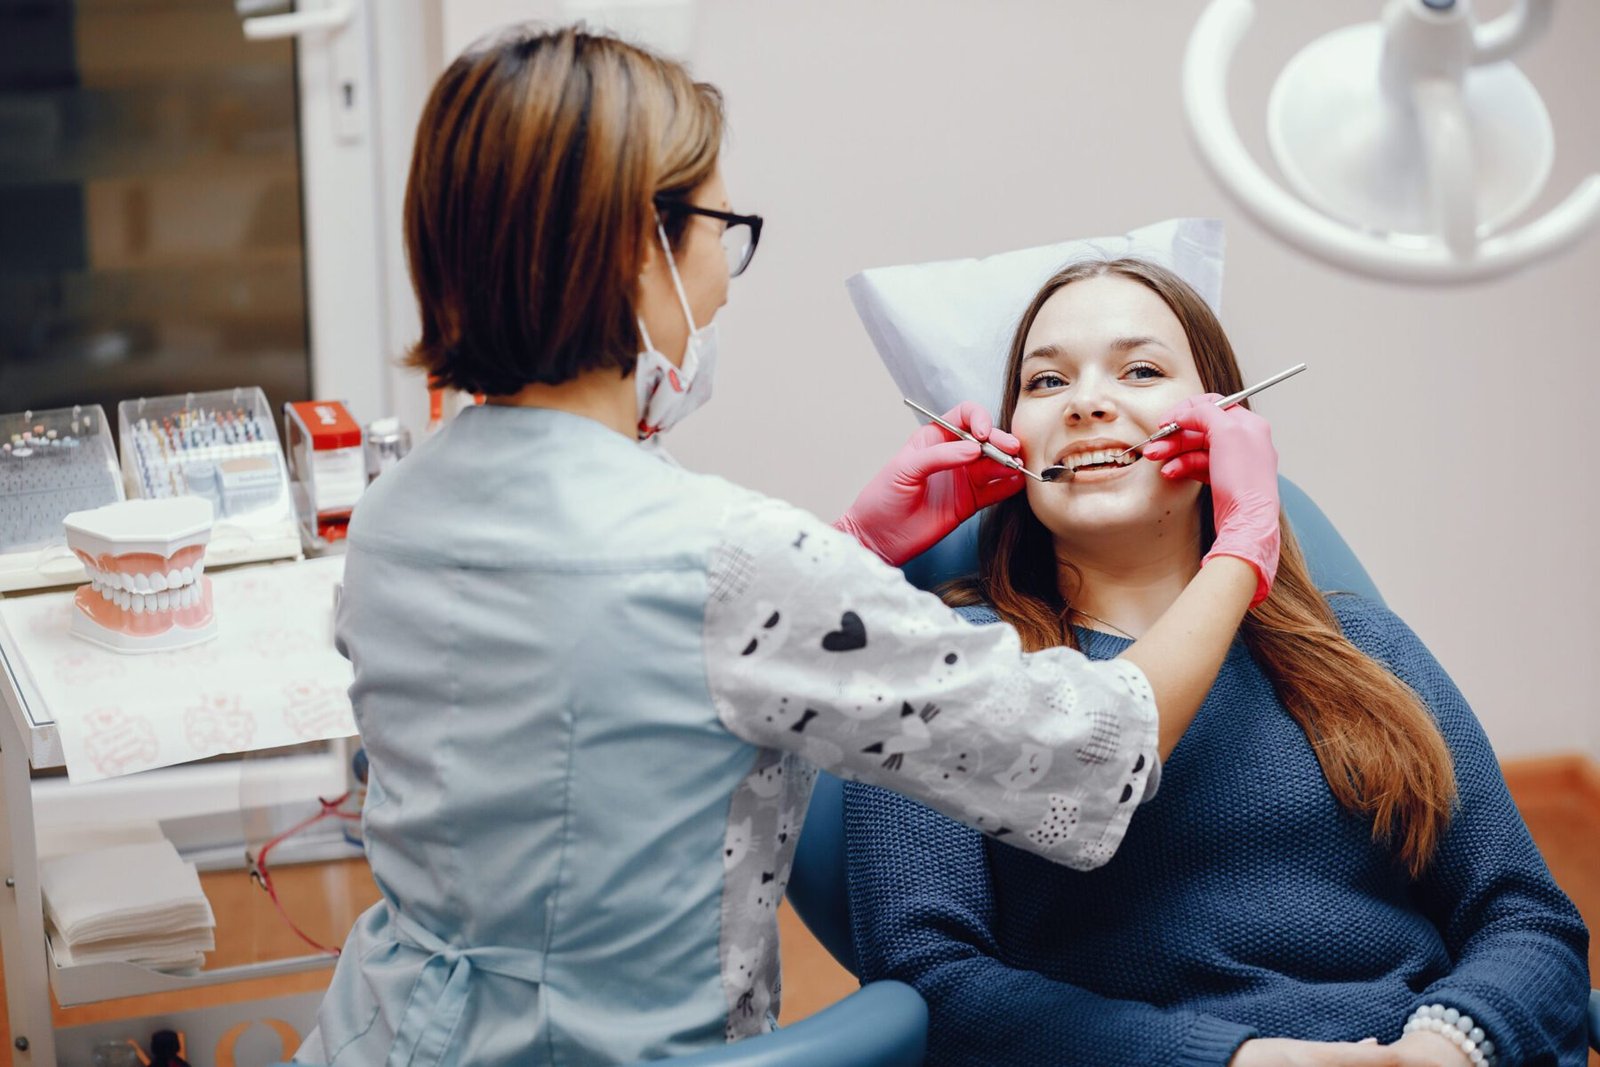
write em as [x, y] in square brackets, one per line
[1231, 451]
[932, 485]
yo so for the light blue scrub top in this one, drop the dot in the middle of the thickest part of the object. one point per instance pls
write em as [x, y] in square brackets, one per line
[578, 670]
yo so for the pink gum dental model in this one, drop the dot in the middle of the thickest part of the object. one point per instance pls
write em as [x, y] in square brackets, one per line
[146, 561]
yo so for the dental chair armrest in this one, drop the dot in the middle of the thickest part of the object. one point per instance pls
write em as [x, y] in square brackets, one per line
[1594, 1019]
[885, 1024]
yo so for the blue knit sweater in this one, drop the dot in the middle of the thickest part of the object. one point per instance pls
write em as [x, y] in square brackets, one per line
[1244, 901]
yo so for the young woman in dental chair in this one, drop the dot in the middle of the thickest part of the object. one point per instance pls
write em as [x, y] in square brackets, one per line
[1332, 856]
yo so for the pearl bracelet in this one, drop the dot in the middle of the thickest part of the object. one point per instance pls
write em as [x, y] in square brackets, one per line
[1456, 1028]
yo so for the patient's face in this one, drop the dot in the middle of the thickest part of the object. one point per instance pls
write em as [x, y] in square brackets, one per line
[1104, 359]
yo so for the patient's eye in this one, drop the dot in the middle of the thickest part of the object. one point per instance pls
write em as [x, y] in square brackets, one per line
[1048, 379]
[1144, 372]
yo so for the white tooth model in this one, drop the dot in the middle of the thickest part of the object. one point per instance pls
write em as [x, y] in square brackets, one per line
[146, 562]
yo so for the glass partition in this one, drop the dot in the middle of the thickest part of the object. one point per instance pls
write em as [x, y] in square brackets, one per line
[150, 205]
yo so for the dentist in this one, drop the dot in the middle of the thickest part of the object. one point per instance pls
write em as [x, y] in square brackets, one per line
[593, 686]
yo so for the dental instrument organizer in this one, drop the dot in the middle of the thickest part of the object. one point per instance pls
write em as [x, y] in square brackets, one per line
[146, 559]
[327, 467]
[221, 446]
[51, 463]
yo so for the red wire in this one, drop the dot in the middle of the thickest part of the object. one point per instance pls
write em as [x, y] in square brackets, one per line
[263, 877]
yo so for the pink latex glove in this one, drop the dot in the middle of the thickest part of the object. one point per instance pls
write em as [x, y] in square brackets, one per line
[1231, 451]
[931, 486]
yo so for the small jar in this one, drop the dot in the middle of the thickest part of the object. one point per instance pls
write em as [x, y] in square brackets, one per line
[387, 444]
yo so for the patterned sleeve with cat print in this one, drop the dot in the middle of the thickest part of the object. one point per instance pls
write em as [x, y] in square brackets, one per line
[815, 647]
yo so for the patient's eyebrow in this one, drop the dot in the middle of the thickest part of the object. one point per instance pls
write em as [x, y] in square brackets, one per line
[1045, 352]
[1119, 345]
[1128, 344]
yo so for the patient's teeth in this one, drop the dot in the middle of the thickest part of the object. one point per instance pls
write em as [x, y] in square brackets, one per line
[158, 581]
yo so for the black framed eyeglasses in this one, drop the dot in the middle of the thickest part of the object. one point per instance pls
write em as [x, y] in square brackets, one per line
[740, 233]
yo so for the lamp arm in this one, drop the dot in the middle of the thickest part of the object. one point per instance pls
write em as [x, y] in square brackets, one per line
[1497, 40]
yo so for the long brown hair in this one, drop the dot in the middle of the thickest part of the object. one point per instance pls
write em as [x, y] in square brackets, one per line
[529, 203]
[1378, 745]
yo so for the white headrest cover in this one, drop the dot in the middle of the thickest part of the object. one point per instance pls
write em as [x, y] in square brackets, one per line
[944, 329]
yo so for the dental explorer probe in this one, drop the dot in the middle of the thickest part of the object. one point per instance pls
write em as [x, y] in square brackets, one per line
[989, 450]
[1050, 474]
[1225, 403]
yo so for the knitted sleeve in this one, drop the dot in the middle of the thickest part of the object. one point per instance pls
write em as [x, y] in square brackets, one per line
[923, 912]
[1519, 946]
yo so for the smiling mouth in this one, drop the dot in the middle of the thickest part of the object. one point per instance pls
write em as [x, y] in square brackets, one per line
[1099, 460]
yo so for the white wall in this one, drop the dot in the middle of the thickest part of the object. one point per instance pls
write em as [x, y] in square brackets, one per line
[1446, 432]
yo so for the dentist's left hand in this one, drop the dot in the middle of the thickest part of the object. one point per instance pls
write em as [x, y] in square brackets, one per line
[932, 485]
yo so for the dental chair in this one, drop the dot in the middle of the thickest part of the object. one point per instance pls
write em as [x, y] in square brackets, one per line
[818, 887]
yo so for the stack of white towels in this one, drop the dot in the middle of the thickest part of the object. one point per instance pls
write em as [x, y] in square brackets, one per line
[126, 903]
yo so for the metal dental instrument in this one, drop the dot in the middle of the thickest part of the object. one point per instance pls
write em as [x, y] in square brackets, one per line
[1225, 403]
[1051, 474]
[989, 450]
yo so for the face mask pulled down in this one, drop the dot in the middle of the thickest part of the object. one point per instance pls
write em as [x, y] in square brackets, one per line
[667, 393]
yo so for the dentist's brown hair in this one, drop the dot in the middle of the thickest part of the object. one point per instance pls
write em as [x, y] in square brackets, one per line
[1379, 748]
[530, 203]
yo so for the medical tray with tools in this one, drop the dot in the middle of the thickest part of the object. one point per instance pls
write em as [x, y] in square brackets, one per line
[52, 463]
[221, 445]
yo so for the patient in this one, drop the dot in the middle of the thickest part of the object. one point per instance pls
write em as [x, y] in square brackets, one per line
[1332, 846]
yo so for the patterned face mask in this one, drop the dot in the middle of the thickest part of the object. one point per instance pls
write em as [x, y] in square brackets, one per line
[667, 393]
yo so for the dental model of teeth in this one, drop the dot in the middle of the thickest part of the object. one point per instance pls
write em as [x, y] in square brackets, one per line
[146, 561]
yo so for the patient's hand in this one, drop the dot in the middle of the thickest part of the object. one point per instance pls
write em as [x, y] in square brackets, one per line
[1425, 1048]
[1418, 1049]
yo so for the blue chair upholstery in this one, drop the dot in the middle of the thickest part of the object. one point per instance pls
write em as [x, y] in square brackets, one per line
[817, 887]
[884, 1024]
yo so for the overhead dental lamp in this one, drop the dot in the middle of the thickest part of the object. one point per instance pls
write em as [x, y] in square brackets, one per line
[1410, 143]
